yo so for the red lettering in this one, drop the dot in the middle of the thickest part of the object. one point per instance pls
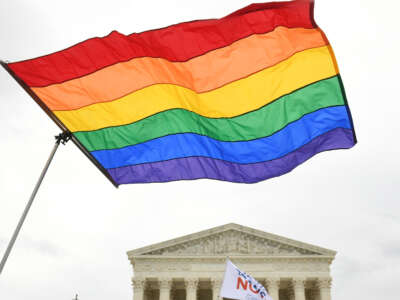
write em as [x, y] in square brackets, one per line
[243, 284]
[251, 289]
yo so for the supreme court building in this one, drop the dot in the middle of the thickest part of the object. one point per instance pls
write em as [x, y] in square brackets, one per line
[192, 267]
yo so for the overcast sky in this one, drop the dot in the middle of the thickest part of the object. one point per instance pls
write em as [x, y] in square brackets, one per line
[79, 229]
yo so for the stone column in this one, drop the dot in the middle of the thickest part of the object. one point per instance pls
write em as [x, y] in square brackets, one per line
[138, 288]
[298, 288]
[165, 288]
[216, 288]
[273, 287]
[324, 286]
[191, 288]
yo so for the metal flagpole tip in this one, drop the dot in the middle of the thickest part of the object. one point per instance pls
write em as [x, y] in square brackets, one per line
[63, 137]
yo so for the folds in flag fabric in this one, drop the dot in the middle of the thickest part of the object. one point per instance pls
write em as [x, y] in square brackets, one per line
[241, 286]
[243, 98]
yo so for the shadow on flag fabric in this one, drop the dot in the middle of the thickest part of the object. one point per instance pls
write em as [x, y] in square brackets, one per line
[243, 98]
[239, 285]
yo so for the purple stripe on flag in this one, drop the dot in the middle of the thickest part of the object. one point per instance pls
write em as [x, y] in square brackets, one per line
[202, 167]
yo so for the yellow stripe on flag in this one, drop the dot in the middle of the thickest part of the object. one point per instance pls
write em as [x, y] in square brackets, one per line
[231, 100]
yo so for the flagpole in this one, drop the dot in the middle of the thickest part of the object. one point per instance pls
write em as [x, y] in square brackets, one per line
[61, 138]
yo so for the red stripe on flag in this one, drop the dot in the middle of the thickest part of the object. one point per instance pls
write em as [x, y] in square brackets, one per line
[179, 42]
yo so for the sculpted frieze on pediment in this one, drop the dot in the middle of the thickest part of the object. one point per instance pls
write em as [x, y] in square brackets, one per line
[234, 243]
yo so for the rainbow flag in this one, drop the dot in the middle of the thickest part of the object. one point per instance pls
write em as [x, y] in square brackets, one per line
[243, 98]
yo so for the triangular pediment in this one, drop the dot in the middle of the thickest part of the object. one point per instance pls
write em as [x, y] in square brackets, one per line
[231, 239]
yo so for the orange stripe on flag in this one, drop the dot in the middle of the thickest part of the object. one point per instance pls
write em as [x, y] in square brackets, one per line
[200, 74]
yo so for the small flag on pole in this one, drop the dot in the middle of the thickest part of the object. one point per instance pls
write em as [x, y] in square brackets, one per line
[239, 285]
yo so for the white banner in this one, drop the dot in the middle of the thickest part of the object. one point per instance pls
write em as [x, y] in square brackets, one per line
[241, 286]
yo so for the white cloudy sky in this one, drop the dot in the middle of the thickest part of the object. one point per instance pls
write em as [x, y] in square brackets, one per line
[80, 226]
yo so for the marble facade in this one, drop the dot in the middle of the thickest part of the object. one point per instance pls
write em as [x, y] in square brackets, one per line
[192, 267]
